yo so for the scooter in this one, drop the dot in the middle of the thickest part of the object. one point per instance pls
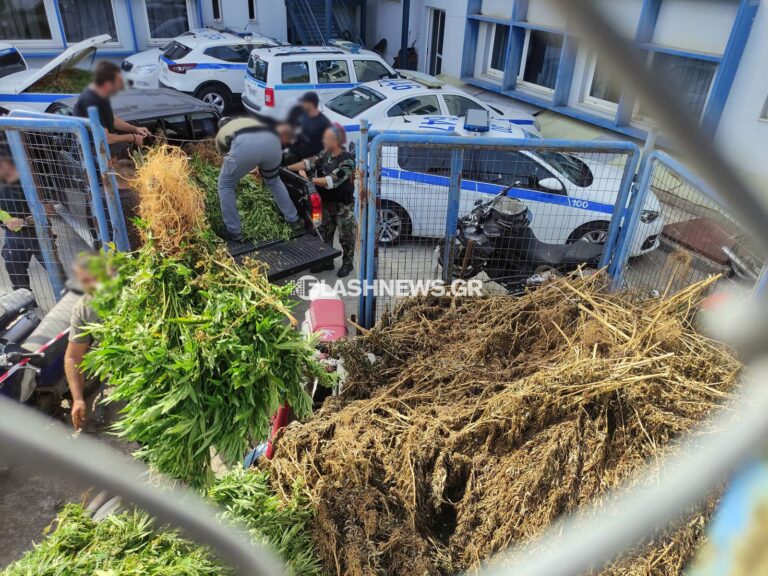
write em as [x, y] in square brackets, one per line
[496, 238]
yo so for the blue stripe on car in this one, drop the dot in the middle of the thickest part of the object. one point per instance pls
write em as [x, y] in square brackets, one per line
[206, 65]
[485, 188]
[33, 97]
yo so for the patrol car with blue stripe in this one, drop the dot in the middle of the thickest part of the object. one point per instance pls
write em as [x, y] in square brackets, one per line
[277, 77]
[209, 65]
[411, 94]
[17, 80]
[570, 196]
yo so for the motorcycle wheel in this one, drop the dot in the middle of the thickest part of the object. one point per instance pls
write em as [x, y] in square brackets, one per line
[472, 267]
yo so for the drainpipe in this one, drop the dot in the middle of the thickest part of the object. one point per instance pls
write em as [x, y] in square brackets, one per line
[404, 35]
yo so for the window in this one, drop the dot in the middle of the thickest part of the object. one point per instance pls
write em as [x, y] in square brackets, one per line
[354, 102]
[237, 53]
[497, 57]
[295, 73]
[575, 170]
[603, 89]
[507, 168]
[541, 59]
[425, 160]
[10, 62]
[252, 10]
[370, 70]
[332, 71]
[24, 20]
[176, 51]
[203, 125]
[689, 79]
[416, 105]
[460, 105]
[257, 68]
[167, 18]
[177, 127]
[100, 20]
[216, 9]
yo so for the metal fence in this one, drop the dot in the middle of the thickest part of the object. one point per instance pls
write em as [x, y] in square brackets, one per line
[502, 212]
[60, 199]
[699, 238]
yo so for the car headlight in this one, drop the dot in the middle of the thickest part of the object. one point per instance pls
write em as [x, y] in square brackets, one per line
[145, 69]
[649, 216]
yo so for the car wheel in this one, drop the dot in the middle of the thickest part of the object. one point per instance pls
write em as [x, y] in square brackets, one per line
[217, 96]
[594, 232]
[394, 223]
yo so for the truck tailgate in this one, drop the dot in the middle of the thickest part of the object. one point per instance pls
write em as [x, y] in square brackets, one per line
[285, 257]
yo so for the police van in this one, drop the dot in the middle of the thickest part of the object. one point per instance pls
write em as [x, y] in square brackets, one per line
[412, 94]
[17, 80]
[570, 196]
[209, 65]
[277, 77]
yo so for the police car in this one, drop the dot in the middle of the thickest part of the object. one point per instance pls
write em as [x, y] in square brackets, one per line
[413, 95]
[570, 196]
[16, 78]
[209, 65]
[277, 77]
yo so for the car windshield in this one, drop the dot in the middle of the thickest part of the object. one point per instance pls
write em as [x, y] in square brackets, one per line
[10, 62]
[354, 102]
[572, 168]
[176, 50]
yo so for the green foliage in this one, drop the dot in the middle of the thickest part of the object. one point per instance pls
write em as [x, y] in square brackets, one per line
[201, 352]
[260, 216]
[69, 81]
[129, 544]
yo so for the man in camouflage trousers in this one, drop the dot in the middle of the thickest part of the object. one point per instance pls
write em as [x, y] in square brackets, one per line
[334, 178]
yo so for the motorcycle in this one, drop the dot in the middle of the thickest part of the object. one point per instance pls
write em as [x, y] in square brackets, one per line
[496, 238]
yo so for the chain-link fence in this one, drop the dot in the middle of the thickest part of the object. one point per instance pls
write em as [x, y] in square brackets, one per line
[699, 236]
[58, 200]
[501, 212]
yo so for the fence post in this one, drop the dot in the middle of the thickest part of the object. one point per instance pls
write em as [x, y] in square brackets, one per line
[374, 175]
[109, 182]
[361, 204]
[613, 240]
[42, 226]
[452, 214]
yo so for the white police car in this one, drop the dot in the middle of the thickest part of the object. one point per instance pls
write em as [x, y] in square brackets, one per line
[16, 79]
[570, 196]
[277, 77]
[209, 65]
[414, 95]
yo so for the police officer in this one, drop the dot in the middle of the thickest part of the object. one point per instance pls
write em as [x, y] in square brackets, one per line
[248, 145]
[334, 171]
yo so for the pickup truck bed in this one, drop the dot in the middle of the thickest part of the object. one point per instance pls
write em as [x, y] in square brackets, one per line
[287, 257]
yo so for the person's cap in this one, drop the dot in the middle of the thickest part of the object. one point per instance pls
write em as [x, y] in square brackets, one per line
[310, 97]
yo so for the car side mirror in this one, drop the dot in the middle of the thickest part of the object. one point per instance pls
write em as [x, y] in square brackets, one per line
[551, 184]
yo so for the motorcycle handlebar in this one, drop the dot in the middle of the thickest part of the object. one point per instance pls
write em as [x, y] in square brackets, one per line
[16, 356]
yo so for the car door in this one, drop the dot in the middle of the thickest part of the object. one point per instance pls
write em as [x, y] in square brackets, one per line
[229, 66]
[421, 105]
[333, 76]
[370, 70]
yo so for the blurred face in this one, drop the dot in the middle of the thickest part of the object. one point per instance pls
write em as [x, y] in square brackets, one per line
[285, 132]
[5, 169]
[330, 140]
[84, 277]
[116, 86]
[308, 107]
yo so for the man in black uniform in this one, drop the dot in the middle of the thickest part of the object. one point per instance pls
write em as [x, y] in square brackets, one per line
[334, 170]
[108, 81]
[312, 126]
[21, 242]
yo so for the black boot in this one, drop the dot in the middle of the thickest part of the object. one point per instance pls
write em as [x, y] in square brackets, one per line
[230, 237]
[345, 270]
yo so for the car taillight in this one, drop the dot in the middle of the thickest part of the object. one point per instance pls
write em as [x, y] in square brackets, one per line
[181, 68]
[317, 208]
[269, 97]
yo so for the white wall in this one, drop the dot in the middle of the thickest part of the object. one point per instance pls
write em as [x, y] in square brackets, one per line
[271, 18]
[742, 135]
[707, 26]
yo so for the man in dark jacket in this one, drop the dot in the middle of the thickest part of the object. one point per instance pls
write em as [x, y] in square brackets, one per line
[312, 127]
[334, 176]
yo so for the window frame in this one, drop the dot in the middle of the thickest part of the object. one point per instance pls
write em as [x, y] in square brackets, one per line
[599, 104]
[153, 42]
[490, 70]
[217, 7]
[114, 43]
[253, 11]
[530, 87]
[56, 39]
